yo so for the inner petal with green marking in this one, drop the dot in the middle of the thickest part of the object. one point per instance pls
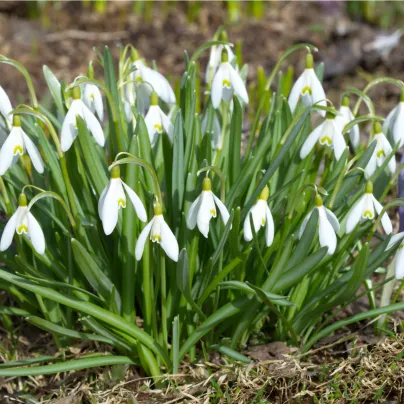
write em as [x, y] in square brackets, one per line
[121, 203]
[18, 150]
[367, 214]
[22, 229]
[326, 140]
[226, 83]
[158, 127]
[306, 90]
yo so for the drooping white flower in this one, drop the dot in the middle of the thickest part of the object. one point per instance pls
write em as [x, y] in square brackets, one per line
[382, 151]
[204, 208]
[23, 222]
[226, 82]
[18, 143]
[344, 118]
[394, 124]
[327, 133]
[69, 128]
[364, 209]
[215, 59]
[5, 105]
[93, 99]
[399, 260]
[262, 217]
[157, 121]
[308, 87]
[150, 80]
[328, 226]
[113, 198]
[159, 232]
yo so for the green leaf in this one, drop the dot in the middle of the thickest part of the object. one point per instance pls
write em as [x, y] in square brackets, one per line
[54, 88]
[235, 140]
[225, 350]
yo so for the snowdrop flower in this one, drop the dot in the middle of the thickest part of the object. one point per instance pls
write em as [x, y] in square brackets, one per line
[328, 226]
[23, 222]
[18, 143]
[157, 121]
[262, 217]
[150, 80]
[113, 198]
[215, 59]
[329, 134]
[5, 105]
[344, 118]
[382, 151]
[364, 209]
[308, 87]
[69, 128]
[204, 208]
[399, 261]
[394, 123]
[159, 233]
[93, 99]
[215, 130]
[226, 81]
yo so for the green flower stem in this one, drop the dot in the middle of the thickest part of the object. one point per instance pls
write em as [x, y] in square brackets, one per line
[163, 291]
[387, 292]
[148, 299]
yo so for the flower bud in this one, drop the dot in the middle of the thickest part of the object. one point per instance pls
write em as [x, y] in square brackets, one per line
[115, 172]
[22, 199]
[377, 128]
[309, 61]
[207, 184]
[369, 188]
[16, 120]
[76, 93]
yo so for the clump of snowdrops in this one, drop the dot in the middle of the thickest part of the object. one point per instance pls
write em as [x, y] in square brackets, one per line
[141, 220]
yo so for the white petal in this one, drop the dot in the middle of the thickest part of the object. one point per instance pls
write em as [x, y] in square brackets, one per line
[7, 150]
[168, 241]
[398, 125]
[333, 220]
[387, 124]
[317, 90]
[136, 202]
[395, 239]
[99, 108]
[386, 222]
[385, 144]
[368, 207]
[5, 105]
[217, 86]
[102, 199]
[354, 136]
[193, 213]
[33, 153]
[326, 232]
[304, 224]
[110, 209]
[94, 126]
[371, 165]
[237, 83]
[206, 211]
[160, 84]
[247, 231]
[355, 214]
[311, 140]
[399, 264]
[69, 128]
[151, 120]
[142, 240]
[223, 210]
[296, 92]
[270, 227]
[35, 234]
[259, 213]
[338, 142]
[8, 232]
[167, 125]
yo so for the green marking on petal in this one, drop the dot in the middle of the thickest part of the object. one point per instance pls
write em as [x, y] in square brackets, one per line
[380, 153]
[156, 238]
[22, 229]
[18, 150]
[158, 127]
[368, 214]
[326, 140]
[226, 83]
[305, 90]
[121, 203]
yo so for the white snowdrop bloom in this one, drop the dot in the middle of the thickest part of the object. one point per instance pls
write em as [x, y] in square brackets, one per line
[344, 118]
[150, 80]
[226, 82]
[262, 217]
[93, 99]
[328, 226]
[5, 105]
[18, 143]
[159, 232]
[113, 198]
[204, 208]
[399, 260]
[327, 133]
[308, 87]
[157, 121]
[364, 209]
[382, 151]
[23, 222]
[394, 123]
[69, 128]
[215, 59]
[215, 130]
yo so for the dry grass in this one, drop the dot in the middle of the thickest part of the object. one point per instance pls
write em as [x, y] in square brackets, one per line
[337, 373]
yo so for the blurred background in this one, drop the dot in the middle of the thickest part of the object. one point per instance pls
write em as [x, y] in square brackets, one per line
[357, 40]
